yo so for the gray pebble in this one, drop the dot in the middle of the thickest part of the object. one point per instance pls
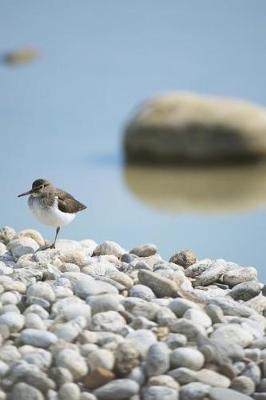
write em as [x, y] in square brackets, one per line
[118, 389]
[142, 291]
[246, 290]
[194, 391]
[37, 337]
[158, 359]
[23, 391]
[159, 393]
[12, 320]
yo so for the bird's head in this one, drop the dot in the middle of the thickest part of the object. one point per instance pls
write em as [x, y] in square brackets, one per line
[38, 187]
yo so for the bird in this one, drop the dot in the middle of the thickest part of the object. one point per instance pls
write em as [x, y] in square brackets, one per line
[52, 206]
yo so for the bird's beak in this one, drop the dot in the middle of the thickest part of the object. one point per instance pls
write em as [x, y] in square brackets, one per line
[26, 193]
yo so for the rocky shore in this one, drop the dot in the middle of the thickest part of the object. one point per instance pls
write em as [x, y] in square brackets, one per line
[89, 321]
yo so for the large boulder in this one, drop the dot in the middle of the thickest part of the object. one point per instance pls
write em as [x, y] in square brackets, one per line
[183, 127]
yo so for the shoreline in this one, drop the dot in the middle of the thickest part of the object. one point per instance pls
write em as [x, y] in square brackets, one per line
[91, 321]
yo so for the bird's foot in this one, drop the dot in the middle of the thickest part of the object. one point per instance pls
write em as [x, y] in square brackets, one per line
[45, 247]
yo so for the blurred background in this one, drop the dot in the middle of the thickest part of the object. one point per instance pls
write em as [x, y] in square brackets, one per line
[64, 106]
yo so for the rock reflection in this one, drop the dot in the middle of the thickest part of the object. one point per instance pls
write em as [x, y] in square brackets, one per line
[199, 189]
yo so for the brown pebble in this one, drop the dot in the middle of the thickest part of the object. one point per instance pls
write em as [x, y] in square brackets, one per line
[98, 377]
[184, 258]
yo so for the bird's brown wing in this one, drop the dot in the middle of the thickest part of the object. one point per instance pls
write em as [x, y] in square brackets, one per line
[67, 203]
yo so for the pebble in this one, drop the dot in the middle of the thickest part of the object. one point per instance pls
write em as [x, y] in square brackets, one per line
[187, 328]
[109, 248]
[161, 286]
[42, 290]
[73, 361]
[174, 340]
[101, 358]
[194, 391]
[222, 394]
[104, 302]
[23, 391]
[118, 389]
[142, 291]
[198, 317]
[163, 380]
[180, 306]
[238, 275]
[158, 359]
[187, 357]
[23, 245]
[126, 357]
[212, 378]
[69, 391]
[38, 337]
[245, 290]
[110, 321]
[233, 333]
[185, 258]
[12, 320]
[159, 393]
[142, 340]
[144, 250]
[243, 384]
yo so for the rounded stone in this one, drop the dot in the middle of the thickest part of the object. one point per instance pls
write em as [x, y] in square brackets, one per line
[23, 391]
[243, 384]
[180, 306]
[184, 258]
[126, 357]
[33, 234]
[174, 340]
[216, 393]
[110, 321]
[42, 290]
[142, 291]
[159, 393]
[194, 391]
[109, 248]
[21, 246]
[158, 359]
[186, 357]
[198, 317]
[69, 391]
[212, 378]
[6, 234]
[233, 333]
[162, 131]
[144, 250]
[163, 380]
[118, 389]
[245, 291]
[38, 337]
[12, 320]
[101, 358]
[142, 340]
[33, 321]
[104, 302]
[73, 361]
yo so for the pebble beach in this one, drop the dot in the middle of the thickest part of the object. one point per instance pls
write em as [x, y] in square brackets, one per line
[89, 321]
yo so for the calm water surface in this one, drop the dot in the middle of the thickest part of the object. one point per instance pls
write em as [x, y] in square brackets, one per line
[62, 118]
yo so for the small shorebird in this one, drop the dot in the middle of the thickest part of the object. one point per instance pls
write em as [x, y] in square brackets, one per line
[52, 206]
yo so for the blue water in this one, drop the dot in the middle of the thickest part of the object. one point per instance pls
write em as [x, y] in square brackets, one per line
[62, 115]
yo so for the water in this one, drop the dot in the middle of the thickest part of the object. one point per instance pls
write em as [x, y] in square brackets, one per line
[62, 118]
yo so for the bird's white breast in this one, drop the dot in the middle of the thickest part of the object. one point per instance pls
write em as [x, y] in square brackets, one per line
[50, 215]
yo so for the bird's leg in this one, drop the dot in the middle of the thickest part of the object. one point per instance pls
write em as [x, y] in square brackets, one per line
[56, 234]
[49, 246]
